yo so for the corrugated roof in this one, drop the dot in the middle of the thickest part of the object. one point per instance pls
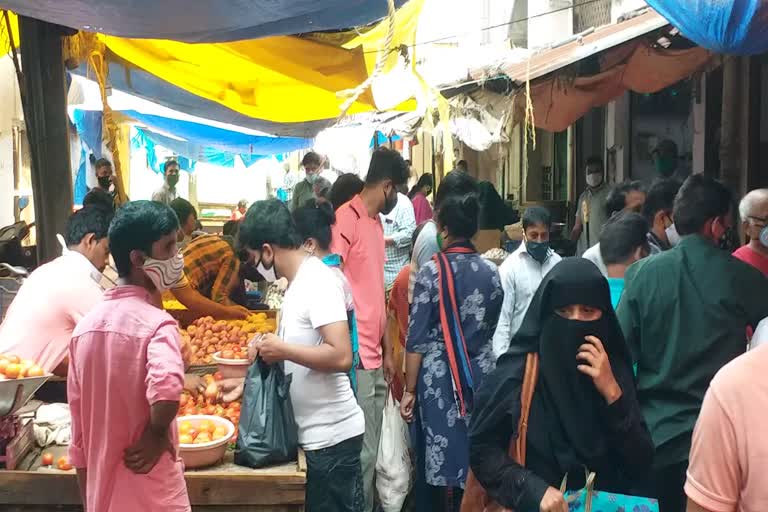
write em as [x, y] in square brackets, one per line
[602, 38]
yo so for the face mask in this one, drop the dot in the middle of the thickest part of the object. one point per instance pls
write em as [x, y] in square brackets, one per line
[727, 241]
[665, 166]
[267, 273]
[389, 204]
[594, 179]
[440, 241]
[105, 182]
[672, 237]
[537, 250]
[764, 236]
[164, 274]
[173, 180]
[312, 178]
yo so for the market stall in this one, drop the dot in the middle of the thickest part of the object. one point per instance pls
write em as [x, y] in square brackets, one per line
[33, 488]
[41, 479]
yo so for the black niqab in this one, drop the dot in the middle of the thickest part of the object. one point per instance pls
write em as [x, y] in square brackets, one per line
[567, 414]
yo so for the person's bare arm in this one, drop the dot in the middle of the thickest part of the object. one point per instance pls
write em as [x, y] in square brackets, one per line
[142, 456]
[62, 368]
[412, 368]
[198, 303]
[578, 227]
[388, 356]
[695, 507]
[333, 355]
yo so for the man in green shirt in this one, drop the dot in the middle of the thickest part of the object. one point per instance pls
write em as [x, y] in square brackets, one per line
[304, 190]
[684, 314]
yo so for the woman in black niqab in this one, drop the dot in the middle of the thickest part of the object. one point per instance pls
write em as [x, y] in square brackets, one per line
[584, 413]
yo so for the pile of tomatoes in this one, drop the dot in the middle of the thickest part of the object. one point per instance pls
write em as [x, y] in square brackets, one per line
[206, 336]
[12, 367]
[208, 403]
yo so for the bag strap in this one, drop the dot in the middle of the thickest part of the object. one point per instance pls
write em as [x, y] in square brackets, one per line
[517, 446]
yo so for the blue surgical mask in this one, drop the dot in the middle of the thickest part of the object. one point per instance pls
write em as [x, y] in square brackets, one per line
[537, 250]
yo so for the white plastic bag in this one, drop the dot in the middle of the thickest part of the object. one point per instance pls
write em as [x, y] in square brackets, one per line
[393, 465]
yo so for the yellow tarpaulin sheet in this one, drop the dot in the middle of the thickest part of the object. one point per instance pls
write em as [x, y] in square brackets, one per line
[282, 79]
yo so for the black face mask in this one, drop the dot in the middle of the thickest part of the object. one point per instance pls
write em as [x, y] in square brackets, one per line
[389, 203]
[105, 182]
[728, 242]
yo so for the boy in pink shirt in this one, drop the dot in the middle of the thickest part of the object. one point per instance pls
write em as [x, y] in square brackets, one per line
[126, 374]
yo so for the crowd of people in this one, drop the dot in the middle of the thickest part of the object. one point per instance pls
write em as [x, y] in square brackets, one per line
[627, 360]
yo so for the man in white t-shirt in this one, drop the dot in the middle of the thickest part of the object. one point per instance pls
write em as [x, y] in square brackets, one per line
[313, 340]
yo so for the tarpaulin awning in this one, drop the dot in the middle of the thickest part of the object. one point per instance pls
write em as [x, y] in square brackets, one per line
[281, 79]
[218, 138]
[202, 20]
[132, 80]
[581, 47]
[737, 27]
[625, 61]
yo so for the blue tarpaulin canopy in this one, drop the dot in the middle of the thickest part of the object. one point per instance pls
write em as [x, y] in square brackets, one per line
[735, 26]
[224, 140]
[197, 21]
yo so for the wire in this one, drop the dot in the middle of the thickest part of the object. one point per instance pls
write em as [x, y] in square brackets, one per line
[511, 22]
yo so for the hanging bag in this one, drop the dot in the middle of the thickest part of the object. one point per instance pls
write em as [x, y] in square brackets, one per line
[393, 465]
[268, 433]
[590, 500]
[475, 498]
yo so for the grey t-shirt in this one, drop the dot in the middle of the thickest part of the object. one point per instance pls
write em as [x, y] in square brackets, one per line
[591, 202]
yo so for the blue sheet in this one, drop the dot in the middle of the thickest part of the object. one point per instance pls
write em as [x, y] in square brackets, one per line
[735, 26]
[140, 83]
[196, 21]
[218, 138]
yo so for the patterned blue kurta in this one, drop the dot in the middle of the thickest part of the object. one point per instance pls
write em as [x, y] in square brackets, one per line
[442, 434]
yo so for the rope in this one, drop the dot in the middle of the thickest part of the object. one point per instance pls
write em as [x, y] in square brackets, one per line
[353, 95]
[87, 45]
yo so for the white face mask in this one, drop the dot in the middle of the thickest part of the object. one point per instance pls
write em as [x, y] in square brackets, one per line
[164, 274]
[672, 237]
[267, 273]
[594, 179]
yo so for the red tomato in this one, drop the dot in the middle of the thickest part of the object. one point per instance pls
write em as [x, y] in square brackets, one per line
[47, 459]
[216, 376]
[63, 464]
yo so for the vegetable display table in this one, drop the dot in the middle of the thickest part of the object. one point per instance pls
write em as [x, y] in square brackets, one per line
[221, 488]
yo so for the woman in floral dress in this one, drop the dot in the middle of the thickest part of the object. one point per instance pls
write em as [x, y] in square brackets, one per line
[460, 293]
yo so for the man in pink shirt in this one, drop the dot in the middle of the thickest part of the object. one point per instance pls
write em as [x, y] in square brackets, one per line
[753, 210]
[40, 321]
[729, 455]
[126, 374]
[358, 237]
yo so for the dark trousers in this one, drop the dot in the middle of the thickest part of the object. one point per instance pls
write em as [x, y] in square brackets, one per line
[666, 484]
[335, 478]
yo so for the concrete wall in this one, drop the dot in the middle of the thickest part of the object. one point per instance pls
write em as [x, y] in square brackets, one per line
[10, 111]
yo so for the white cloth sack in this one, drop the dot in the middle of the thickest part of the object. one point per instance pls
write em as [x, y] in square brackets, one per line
[393, 465]
[53, 425]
